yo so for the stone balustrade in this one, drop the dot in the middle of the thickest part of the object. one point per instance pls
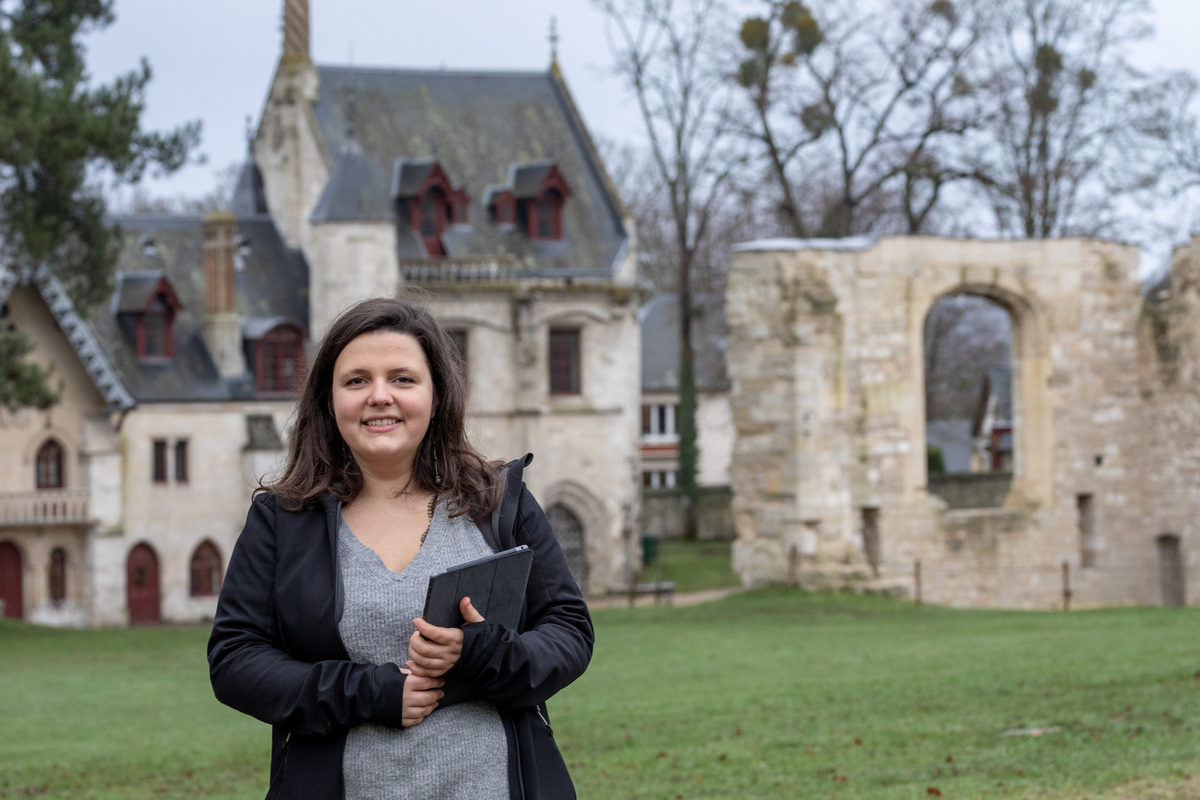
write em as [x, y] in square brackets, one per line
[47, 507]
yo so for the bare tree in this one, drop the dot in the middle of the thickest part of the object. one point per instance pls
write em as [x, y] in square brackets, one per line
[1066, 115]
[662, 49]
[965, 336]
[857, 105]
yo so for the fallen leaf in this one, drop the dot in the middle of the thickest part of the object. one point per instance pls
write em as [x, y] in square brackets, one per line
[949, 759]
[840, 779]
[858, 741]
[933, 790]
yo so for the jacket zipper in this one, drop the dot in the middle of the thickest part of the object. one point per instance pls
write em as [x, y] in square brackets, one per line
[545, 721]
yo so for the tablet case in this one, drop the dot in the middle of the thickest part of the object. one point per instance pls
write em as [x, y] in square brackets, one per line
[495, 584]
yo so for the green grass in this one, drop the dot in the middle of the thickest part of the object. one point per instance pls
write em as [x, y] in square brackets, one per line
[693, 566]
[771, 694]
[120, 713]
[779, 694]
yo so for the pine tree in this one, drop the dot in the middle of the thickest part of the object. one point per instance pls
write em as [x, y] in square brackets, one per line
[58, 130]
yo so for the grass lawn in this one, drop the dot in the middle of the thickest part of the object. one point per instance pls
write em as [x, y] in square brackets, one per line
[771, 694]
[693, 566]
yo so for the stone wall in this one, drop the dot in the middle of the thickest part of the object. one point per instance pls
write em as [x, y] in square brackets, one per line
[825, 357]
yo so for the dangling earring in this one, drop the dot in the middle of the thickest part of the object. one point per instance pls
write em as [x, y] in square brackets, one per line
[437, 473]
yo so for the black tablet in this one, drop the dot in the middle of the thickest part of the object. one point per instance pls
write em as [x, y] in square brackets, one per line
[495, 584]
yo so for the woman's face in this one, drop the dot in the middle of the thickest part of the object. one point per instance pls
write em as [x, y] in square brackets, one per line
[383, 400]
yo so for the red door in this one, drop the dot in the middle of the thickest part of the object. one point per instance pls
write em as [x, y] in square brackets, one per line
[141, 586]
[10, 581]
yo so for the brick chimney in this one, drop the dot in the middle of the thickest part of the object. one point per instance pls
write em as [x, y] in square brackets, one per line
[295, 28]
[222, 328]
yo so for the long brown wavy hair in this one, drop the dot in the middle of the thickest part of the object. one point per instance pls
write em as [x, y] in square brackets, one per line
[319, 460]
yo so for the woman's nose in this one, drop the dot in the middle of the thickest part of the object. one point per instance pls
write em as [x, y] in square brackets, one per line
[380, 394]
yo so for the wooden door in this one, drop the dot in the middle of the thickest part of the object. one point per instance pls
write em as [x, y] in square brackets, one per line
[11, 588]
[141, 586]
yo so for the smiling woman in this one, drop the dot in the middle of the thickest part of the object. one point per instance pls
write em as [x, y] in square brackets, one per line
[317, 629]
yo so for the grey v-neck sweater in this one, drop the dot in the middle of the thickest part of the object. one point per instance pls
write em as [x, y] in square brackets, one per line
[456, 753]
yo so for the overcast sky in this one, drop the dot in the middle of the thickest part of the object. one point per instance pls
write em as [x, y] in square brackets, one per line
[214, 60]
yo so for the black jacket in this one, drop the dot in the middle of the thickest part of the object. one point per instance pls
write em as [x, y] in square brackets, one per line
[275, 652]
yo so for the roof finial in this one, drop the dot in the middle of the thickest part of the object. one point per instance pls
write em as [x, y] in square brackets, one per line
[553, 40]
[249, 133]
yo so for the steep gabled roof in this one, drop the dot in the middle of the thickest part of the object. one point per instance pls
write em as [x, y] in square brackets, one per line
[476, 125]
[78, 332]
[271, 281]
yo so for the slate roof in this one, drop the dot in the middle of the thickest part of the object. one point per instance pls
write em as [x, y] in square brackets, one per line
[271, 282]
[353, 194]
[478, 125]
[659, 321]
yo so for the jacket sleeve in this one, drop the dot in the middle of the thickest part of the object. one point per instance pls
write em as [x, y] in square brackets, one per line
[555, 645]
[250, 664]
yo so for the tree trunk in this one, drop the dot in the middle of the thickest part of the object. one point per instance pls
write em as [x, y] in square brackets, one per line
[686, 420]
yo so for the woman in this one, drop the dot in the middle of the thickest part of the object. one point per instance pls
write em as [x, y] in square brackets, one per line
[317, 630]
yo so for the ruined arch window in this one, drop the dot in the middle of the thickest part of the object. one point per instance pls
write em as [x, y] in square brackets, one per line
[279, 360]
[58, 575]
[50, 474]
[206, 570]
[969, 401]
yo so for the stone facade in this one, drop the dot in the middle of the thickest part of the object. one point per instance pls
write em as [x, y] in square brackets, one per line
[178, 390]
[829, 470]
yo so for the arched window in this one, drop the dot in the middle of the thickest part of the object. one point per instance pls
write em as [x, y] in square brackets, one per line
[569, 532]
[50, 466]
[206, 570]
[58, 575]
[280, 359]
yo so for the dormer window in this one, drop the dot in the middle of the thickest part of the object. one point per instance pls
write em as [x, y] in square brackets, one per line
[539, 193]
[147, 305]
[279, 359]
[545, 217]
[426, 200]
[154, 329]
[502, 206]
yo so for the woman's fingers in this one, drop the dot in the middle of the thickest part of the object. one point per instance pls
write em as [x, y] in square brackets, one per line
[468, 611]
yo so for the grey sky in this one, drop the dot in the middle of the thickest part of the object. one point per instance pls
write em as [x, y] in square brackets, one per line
[213, 61]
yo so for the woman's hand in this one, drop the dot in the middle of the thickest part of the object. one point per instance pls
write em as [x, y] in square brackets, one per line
[421, 695]
[432, 651]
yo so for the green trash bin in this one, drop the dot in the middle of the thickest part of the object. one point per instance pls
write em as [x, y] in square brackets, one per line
[649, 550]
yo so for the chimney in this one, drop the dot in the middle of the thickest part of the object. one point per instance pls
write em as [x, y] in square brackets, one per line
[222, 328]
[295, 28]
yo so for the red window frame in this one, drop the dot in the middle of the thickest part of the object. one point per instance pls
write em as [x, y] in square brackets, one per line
[565, 361]
[545, 216]
[205, 570]
[279, 360]
[50, 462]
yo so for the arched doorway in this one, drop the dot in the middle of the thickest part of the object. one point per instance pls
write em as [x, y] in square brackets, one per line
[569, 532]
[141, 586]
[11, 589]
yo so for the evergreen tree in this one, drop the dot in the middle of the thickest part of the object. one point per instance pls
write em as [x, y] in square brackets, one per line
[58, 130]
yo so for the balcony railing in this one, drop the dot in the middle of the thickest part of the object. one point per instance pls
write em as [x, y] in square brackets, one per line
[48, 507]
[458, 270]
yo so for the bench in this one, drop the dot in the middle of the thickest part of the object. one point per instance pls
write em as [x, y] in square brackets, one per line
[659, 589]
